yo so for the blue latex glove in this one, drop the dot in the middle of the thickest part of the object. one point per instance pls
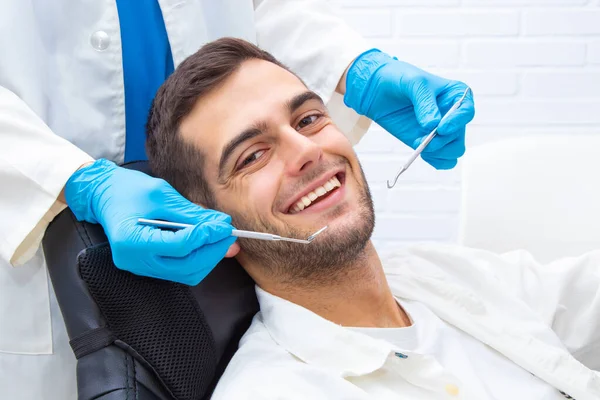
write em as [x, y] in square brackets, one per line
[409, 103]
[116, 197]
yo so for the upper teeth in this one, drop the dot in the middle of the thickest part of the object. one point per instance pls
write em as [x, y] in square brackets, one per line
[306, 201]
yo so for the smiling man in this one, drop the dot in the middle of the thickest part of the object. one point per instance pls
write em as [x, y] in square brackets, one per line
[232, 129]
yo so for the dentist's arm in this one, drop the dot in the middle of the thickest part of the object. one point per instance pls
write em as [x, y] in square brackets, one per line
[409, 103]
[115, 198]
[36, 166]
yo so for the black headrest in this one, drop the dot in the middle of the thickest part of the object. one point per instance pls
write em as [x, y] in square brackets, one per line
[182, 337]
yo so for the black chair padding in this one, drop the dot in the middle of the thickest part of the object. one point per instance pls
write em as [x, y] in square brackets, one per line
[137, 337]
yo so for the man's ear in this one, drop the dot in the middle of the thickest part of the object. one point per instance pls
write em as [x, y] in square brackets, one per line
[234, 249]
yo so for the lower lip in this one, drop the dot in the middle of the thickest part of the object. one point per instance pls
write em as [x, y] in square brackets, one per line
[324, 204]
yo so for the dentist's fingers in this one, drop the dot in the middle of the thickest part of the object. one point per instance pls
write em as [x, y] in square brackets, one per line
[443, 145]
[456, 122]
[182, 242]
[460, 117]
[425, 104]
[194, 267]
[189, 213]
[446, 158]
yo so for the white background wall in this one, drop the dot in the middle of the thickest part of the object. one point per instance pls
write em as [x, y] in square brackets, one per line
[534, 67]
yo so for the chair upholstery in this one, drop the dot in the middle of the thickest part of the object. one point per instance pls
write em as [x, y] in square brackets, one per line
[141, 338]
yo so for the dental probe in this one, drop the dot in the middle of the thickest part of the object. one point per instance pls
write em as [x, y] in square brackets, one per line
[236, 232]
[427, 140]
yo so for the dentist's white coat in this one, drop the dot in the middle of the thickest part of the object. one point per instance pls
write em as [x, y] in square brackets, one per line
[62, 104]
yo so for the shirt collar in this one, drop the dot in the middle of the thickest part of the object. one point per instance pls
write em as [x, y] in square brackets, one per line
[318, 341]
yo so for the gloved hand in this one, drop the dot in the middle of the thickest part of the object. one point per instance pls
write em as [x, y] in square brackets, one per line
[409, 102]
[116, 197]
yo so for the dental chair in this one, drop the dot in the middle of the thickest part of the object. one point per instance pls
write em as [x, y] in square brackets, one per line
[538, 193]
[141, 338]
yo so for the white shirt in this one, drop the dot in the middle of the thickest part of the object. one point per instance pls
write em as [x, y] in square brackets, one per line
[62, 102]
[543, 319]
[478, 370]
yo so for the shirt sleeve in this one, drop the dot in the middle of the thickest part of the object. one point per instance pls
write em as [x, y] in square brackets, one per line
[318, 46]
[34, 167]
[565, 293]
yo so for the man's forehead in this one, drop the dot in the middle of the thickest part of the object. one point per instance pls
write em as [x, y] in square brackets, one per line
[257, 90]
[256, 84]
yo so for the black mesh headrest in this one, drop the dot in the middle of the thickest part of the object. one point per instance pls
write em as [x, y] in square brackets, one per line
[159, 320]
[185, 336]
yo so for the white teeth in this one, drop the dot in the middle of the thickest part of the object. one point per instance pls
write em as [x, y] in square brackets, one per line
[306, 201]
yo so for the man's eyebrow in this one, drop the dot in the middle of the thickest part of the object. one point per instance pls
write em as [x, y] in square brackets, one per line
[293, 104]
[297, 101]
[246, 135]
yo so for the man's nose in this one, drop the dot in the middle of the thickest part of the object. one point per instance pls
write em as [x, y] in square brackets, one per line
[301, 153]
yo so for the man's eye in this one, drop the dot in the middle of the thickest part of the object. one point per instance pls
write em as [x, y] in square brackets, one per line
[309, 119]
[251, 158]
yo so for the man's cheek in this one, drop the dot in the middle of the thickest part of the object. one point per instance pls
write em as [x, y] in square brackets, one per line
[338, 144]
[263, 191]
[226, 205]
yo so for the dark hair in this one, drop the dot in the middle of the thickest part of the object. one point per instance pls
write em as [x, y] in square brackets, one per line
[171, 157]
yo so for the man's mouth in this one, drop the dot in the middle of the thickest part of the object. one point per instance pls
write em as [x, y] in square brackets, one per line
[318, 194]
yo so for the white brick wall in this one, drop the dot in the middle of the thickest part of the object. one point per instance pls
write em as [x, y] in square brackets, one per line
[534, 66]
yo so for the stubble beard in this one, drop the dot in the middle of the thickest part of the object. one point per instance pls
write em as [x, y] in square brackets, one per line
[327, 259]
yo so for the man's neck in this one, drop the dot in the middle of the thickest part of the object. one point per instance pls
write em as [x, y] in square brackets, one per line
[359, 297]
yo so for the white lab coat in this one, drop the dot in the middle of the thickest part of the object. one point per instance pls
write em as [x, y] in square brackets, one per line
[62, 104]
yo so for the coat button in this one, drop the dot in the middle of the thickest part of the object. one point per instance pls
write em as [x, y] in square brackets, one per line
[452, 390]
[100, 40]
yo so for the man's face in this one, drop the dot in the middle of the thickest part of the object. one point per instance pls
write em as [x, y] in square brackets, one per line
[276, 163]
